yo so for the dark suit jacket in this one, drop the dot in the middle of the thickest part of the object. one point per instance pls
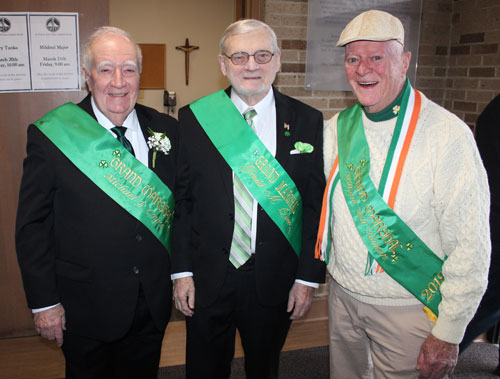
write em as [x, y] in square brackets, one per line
[488, 143]
[204, 222]
[76, 246]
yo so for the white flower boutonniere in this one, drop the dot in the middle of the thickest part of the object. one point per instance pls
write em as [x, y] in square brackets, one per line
[159, 142]
[302, 148]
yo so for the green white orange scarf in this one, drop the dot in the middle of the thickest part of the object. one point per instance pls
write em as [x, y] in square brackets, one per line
[390, 242]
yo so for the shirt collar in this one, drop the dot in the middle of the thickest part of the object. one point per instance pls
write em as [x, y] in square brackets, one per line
[261, 107]
[131, 122]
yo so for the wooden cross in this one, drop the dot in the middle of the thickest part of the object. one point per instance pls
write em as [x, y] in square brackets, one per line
[187, 48]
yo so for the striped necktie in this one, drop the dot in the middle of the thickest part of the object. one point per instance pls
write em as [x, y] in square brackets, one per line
[120, 136]
[241, 245]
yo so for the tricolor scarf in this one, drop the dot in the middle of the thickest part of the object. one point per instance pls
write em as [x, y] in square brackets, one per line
[391, 243]
[391, 174]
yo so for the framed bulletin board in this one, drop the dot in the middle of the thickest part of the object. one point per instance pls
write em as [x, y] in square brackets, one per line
[153, 65]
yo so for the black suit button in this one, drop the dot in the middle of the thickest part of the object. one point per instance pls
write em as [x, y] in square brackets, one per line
[231, 216]
[135, 270]
[225, 251]
[138, 238]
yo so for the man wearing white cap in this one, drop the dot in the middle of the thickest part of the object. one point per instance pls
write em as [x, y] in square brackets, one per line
[404, 225]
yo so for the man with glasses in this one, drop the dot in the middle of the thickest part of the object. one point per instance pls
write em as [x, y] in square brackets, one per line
[246, 222]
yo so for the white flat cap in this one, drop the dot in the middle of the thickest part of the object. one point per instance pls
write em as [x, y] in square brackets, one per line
[373, 25]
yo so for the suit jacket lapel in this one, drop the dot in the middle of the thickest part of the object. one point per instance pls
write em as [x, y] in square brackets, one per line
[285, 116]
[145, 124]
[86, 105]
[225, 170]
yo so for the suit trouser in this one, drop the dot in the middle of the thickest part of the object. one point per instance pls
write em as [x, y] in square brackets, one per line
[211, 331]
[134, 356]
[373, 341]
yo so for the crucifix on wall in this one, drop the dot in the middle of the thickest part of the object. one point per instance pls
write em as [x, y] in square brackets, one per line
[187, 49]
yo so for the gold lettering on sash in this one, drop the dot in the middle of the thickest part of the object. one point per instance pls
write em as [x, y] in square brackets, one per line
[433, 286]
[160, 213]
[158, 202]
[128, 174]
[378, 249]
[263, 174]
[121, 187]
[287, 194]
[370, 209]
[148, 188]
[350, 189]
[155, 219]
[285, 214]
[383, 232]
[371, 236]
[267, 169]
[360, 189]
[272, 198]
[252, 171]
[261, 162]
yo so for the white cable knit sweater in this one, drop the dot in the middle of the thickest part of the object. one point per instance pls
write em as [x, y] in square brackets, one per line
[443, 196]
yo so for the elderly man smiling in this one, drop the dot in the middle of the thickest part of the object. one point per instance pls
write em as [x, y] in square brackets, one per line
[251, 174]
[404, 226]
[91, 245]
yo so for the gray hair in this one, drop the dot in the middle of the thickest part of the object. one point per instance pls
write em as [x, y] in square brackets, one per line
[247, 26]
[104, 31]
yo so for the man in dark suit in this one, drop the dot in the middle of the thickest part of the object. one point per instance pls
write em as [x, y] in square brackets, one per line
[93, 220]
[488, 142]
[247, 215]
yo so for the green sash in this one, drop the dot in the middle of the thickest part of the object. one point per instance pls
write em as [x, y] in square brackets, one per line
[254, 165]
[104, 160]
[398, 250]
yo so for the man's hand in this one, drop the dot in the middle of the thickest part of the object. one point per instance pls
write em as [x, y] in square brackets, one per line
[184, 295]
[51, 323]
[299, 299]
[437, 358]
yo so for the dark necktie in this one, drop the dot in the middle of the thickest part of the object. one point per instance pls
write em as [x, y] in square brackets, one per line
[120, 134]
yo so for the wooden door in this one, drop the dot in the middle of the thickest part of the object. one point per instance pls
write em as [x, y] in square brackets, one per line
[17, 111]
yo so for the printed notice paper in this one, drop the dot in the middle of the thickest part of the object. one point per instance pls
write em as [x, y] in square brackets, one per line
[14, 55]
[44, 56]
[54, 51]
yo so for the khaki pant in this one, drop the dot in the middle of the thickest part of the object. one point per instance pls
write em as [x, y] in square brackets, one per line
[373, 341]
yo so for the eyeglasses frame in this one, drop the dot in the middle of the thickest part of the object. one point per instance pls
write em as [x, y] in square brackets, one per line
[244, 53]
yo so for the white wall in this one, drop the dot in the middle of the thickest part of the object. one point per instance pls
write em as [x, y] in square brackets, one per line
[171, 22]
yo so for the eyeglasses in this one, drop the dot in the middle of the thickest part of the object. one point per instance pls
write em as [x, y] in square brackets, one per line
[261, 57]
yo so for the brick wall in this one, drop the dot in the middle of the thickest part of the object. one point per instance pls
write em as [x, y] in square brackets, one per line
[288, 18]
[473, 73]
[458, 62]
[433, 51]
